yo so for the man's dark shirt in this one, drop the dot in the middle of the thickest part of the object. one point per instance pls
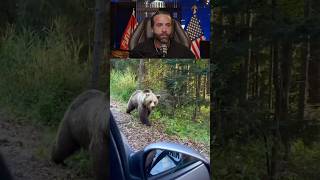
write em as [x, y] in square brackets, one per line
[146, 49]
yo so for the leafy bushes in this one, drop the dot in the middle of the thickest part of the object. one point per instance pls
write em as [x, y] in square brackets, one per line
[122, 84]
[40, 76]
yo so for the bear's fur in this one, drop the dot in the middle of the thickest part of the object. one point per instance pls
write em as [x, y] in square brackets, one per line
[85, 125]
[144, 101]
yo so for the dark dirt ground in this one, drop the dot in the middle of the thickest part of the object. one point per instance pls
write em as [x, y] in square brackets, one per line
[26, 153]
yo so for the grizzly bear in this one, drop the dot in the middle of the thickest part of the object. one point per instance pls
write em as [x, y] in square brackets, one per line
[144, 101]
[85, 125]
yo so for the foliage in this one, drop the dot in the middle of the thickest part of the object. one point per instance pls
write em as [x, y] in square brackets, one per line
[305, 160]
[260, 51]
[182, 125]
[45, 59]
[239, 162]
[122, 84]
[40, 77]
[81, 163]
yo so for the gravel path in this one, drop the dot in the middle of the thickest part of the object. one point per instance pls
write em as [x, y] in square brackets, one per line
[139, 135]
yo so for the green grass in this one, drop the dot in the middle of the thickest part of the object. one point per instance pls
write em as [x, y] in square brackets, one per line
[182, 125]
[122, 85]
[41, 76]
[81, 163]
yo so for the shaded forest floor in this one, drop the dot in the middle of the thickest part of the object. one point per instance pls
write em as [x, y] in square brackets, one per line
[139, 135]
[26, 150]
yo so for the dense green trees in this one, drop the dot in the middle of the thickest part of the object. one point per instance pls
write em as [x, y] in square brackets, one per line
[264, 87]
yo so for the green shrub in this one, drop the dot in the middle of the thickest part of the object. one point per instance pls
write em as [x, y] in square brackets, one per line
[40, 76]
[239, 161]
[304, 161]
[182, 125]
[122, 84]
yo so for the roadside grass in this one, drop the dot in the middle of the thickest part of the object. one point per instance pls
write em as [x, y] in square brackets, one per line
[41, 75]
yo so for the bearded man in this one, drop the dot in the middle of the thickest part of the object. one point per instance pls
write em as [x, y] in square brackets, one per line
[161, 45]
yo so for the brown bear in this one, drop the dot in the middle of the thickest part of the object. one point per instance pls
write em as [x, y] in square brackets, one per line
[144, 101]
[85, 125]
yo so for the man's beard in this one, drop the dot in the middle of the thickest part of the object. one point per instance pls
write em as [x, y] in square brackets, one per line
[162, 38]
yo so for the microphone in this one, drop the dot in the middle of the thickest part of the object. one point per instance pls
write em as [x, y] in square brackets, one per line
[164, 47]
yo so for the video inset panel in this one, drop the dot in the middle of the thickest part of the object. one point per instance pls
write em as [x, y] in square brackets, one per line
[160, 29]
[162, 101]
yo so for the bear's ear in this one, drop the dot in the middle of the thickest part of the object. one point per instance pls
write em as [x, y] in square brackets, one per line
[158, 96]
[147, 91]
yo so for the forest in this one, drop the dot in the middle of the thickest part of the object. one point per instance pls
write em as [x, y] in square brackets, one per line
[184, 89]
[48, 56]
[266, 86]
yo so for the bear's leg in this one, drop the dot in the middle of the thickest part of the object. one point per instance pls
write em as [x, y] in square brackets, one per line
[64, 145]
[131, 106]
[99, 154]
[144, 115]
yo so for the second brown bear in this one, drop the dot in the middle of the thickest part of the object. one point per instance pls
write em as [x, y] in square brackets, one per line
[144, 101]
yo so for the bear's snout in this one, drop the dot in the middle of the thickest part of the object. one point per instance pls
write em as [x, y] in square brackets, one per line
[152, 105]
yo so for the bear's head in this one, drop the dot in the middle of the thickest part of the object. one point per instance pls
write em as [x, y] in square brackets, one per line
[151, 100]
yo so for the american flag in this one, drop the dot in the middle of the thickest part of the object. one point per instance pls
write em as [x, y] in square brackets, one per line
[195, 33]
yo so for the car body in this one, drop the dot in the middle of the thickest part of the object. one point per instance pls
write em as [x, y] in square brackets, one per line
[156, 161]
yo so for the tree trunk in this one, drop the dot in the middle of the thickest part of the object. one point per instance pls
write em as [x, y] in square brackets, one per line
[270, 77]
[314, 74]
[204, 87]
[107, 51]
[304, 68]
[282, 72]
[257, 77]
[286, 78]
[277, 104]
[198, 92]
[216, 108]
[141, 73]
[98, 48]
[197, 98]
[208, 78]
[249, 59]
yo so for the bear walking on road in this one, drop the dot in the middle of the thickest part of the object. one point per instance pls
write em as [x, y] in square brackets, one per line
[144, 101]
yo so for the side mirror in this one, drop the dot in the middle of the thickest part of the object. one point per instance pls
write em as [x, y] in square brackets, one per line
[171, 161]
